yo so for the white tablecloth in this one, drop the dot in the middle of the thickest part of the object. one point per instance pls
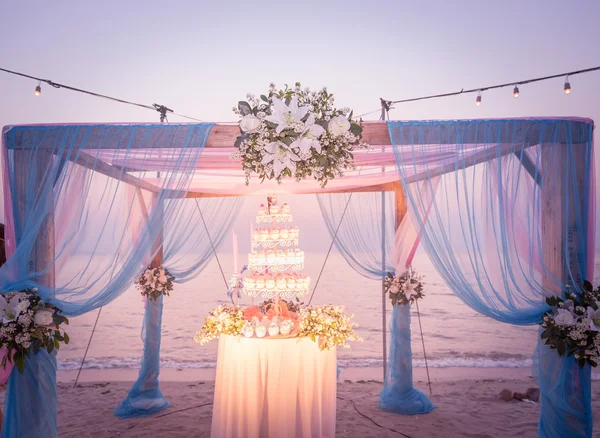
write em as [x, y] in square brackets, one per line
[274, 388]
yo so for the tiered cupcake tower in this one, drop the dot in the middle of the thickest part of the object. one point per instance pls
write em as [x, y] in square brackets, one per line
[274, 262]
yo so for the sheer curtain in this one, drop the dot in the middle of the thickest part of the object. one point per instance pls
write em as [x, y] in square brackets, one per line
[186, 252]
[69, 228]
[371, 245]
[509, 225]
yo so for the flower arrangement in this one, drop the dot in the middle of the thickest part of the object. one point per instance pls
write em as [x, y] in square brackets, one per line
[155, 282]
[572, 325]
[290, 305]
[405, 288]
[27, 325]
[223, 320]
[328, 325]
[296, 132]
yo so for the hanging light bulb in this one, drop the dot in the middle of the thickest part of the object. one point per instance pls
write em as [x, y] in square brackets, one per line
[478, 100]
[38, 90]
[567, 86]
[516, 91]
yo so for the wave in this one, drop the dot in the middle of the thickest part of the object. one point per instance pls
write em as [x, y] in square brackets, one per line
[108, 363]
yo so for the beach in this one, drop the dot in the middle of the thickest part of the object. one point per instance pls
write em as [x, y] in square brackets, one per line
[466, 398]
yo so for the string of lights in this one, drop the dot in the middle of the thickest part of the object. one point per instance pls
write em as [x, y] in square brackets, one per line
[161, 109]
[386, 105]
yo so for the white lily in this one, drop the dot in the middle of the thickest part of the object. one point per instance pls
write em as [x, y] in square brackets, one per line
[281, 156]
[594, 317]
[310, 136]
[9, 309]
[285, 116]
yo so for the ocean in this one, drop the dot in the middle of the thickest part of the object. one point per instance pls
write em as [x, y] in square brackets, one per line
[453, 334]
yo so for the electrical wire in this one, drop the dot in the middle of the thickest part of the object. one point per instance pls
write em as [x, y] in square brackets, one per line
[371, 420]
[155, 107]
[492, 87]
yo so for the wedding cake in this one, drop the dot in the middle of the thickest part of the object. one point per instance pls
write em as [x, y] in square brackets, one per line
[275, 261]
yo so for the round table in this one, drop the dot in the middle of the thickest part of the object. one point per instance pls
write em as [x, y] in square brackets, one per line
[274, 388]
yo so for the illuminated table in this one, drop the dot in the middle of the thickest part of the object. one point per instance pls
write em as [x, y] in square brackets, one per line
[274, 388]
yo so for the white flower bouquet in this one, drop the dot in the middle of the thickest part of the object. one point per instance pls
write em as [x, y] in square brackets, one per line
[405, 288]
[27, 325]
[572, 325]
[297, 133]
[155, 282]
[328, 325]
[223, 320]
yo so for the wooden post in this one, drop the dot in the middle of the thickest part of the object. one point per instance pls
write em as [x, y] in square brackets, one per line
[39, 368]
[561, 237]
[42, 255]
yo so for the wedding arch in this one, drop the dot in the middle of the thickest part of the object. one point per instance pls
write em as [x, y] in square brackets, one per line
[504, 208]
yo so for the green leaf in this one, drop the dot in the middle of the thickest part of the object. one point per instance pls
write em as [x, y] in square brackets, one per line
[67, 339]
[50, 347]
[263, 97]
[588, 286]
[20, 362]
[350, 115]
[244, 108]
[560, 347]
[355, 129]
[56, 343]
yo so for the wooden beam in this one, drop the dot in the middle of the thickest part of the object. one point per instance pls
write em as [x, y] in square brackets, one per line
[387, 187]
[400, 201]
[376, 133]
[86, 160]
[477, 158]
[529, 166]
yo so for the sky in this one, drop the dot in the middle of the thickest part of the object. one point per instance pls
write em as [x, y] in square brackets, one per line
[200, 57]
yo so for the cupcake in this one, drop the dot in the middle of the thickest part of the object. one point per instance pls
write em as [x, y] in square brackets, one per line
[285, 208]
[248, 329]
[274, 209]
[270, 283]
[261, 258]
[299, 256]
[291, 283]
[274, 234]
[286, 327]
[260, 282]
[263, 234]
[261, 330]
[249, 283]
[281, 283]
[284, 233]
[262, 210]
[274, 328]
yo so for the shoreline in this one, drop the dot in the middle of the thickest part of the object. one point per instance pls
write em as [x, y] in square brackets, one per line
[369, 374]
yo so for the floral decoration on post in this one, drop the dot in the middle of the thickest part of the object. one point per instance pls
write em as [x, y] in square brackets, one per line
[572, 325]
[29, 324]
[298, 133]
[404, 289]
[155, 282]
[328, 325]
[223, 320]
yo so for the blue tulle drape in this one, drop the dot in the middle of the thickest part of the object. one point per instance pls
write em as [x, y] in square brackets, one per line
[31, 399]
[511, 223]
[365, 236]
[398, 394]
[83, 203]
[145, 397]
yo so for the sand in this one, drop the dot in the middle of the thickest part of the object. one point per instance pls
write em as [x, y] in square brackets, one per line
[467, 400]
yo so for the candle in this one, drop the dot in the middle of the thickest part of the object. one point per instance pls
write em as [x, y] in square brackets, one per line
[235, 254]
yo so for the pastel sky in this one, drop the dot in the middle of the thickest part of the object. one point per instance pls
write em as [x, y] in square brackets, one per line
[200, 57]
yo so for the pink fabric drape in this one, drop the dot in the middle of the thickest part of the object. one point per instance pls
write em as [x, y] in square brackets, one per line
[407, 237]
